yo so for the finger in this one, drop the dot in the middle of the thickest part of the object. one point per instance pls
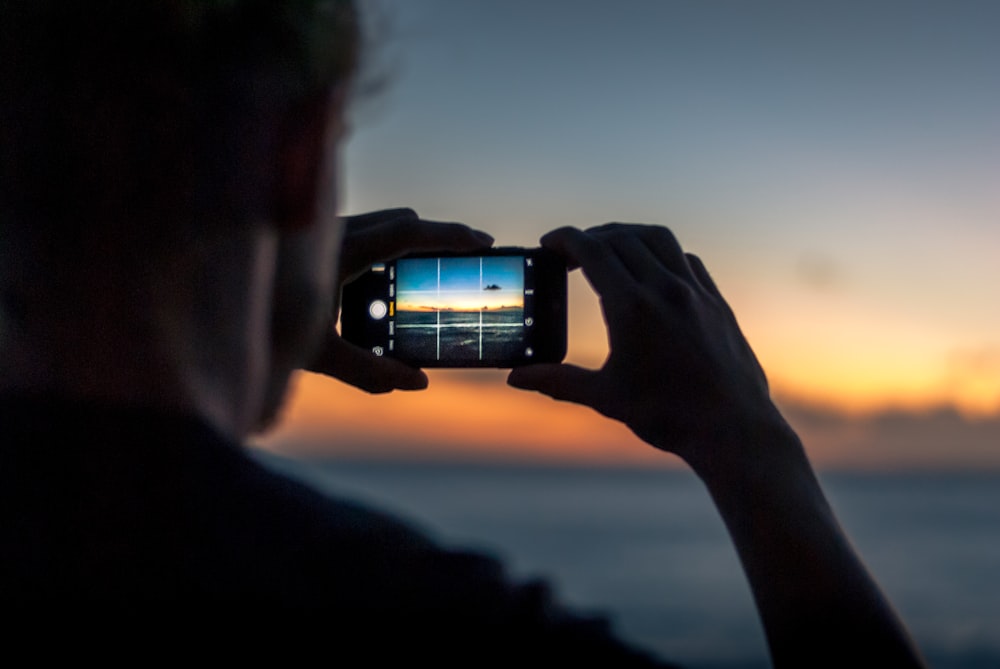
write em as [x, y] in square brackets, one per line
[427, 235]
[565, 382]
[602, 267]
[700, 273]
[553, 241]
[403, 228]
[664, 245]
[391, 237]
[362, 369]
[361, 221]
[660, 241]
[649, 269]
[640, 261]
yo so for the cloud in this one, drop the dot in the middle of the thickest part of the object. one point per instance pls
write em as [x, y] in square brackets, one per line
[973, 377]
[474, 415]
[939, 439]
[818, 270]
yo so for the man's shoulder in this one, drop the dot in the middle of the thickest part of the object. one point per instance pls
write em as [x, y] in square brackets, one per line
[110, 493]
[136, 509]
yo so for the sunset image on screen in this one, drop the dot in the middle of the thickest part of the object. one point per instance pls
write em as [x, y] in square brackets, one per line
[460, 308]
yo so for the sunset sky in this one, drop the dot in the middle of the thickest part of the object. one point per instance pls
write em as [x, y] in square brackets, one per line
[835, 164]
[460, 283]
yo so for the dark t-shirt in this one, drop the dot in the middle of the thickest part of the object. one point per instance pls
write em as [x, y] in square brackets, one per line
[134, 509]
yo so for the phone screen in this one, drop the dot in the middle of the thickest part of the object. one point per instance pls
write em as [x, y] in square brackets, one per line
[460, 308]
[501, 308]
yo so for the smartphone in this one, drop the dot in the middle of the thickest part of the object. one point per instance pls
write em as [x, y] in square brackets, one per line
[500, 307]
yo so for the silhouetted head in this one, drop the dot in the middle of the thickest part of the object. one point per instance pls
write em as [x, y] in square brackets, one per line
[163, 166]
[140, 115]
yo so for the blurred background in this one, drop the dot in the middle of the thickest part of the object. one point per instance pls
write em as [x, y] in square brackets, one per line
[837, 167]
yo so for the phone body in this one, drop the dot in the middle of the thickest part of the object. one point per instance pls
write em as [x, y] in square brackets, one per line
[500, 307]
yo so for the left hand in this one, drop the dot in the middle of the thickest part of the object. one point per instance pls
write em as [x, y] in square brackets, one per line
[378, 237]
[679, 373]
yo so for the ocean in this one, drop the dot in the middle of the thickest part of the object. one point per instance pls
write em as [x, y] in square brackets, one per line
[460, 335]
[647, 549]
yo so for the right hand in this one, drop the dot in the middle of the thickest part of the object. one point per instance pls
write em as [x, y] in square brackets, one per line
[679, 373]
[378, 237]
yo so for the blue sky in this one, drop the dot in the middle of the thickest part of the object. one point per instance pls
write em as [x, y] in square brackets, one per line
[836, 164]
[461, 273]
[460, 283]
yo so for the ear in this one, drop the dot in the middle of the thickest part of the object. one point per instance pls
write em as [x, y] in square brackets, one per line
[300, 164]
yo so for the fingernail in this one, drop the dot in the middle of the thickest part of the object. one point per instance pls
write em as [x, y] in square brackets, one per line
[514, 379]
[416, 382]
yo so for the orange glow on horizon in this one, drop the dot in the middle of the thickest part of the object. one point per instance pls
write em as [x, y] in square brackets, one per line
[474, 415]
[847, 366]
[454, 418]
[465, 306]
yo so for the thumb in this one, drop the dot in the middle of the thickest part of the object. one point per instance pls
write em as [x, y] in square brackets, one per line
[360, 368]
[564, 382]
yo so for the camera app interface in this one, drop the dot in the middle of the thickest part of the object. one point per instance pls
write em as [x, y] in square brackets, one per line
[460, 309]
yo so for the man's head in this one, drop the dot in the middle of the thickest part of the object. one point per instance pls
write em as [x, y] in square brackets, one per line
[116, 112]
[161, 134]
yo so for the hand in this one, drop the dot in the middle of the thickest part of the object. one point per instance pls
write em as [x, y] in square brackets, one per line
[378, 237]
[679, 372]
[681, 375]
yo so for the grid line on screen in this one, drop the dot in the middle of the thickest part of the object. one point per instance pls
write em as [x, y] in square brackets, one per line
[441, 293]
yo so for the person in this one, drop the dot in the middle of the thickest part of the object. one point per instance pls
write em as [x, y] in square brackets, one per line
[171, 253]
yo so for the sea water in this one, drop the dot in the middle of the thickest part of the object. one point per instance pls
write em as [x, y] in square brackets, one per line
[647, 549]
